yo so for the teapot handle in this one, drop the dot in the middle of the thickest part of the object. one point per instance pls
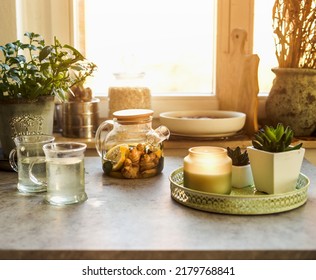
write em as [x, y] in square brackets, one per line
[101, 134]
[160, 134]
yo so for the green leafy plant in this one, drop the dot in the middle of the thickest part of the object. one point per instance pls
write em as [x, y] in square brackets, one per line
[238, 157]
[33, 69]
[275, 139]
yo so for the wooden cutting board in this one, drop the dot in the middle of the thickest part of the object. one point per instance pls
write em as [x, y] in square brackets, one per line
[238, 82]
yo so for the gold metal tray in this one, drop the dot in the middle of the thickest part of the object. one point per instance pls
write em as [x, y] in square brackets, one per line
[245, 201]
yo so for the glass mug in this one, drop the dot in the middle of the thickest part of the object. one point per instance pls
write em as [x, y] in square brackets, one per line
[29, 148]
[208, 169]
[65, 171]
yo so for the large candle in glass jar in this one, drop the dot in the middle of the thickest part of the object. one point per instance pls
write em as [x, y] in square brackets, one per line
[208, 169]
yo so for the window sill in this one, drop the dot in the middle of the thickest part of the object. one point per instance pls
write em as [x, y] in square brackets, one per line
[181, 143]
[174, 143]
[172, 102]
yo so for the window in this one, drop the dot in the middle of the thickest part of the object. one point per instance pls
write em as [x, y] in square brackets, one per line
[172, 41]
[62, 18]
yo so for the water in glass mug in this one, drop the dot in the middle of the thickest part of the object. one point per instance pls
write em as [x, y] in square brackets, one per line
[29, 152]
[66, 180]
[39, 170]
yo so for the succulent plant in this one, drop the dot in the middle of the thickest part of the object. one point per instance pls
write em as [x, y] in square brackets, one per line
[238, 158]
[275, 139]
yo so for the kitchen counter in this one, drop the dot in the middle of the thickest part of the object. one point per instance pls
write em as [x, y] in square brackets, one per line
[138, 219]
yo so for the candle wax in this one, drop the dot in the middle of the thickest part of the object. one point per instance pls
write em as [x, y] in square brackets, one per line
[208, 183]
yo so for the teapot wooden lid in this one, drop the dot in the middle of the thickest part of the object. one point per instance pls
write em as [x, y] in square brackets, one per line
[133, 114]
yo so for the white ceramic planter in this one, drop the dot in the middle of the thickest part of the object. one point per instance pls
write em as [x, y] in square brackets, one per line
[242, 176]
[275, 172]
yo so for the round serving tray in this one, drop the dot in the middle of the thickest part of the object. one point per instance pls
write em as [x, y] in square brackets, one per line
[245, 201]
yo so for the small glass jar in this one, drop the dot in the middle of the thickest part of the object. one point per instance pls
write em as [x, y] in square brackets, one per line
[208, 169]
[129, 147]
[129, 91]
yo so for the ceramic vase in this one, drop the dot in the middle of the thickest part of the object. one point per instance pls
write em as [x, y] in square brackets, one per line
[292, 100]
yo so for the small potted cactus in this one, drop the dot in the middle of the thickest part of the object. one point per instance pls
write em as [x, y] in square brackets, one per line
[241, 169]
[274, 162]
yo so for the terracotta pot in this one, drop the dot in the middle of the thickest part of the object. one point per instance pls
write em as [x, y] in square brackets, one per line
[292, 100]
[24, 117]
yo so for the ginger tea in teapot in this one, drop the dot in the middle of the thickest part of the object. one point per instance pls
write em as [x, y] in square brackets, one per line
[129, 147]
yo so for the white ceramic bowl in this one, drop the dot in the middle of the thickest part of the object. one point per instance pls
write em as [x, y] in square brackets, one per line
[203, 123]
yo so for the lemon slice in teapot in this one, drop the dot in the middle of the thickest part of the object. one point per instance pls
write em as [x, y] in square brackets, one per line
[117, 156]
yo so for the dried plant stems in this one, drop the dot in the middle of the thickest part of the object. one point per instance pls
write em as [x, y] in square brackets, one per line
[294, 25]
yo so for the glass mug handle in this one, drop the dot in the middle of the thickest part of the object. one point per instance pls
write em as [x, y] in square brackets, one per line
[102, 132]
[12, 161]
[32, 176]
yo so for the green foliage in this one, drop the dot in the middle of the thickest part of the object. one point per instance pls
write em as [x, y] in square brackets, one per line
[33, 69]
[275, 140]
[238, 158]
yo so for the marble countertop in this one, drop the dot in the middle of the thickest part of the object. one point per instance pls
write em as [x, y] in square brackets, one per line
[138, 219]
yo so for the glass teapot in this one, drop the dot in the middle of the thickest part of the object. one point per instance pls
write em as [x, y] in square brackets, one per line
[129, 147]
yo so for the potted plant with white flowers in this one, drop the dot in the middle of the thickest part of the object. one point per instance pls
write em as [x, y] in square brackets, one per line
[241, 169]
[32, 74]
[275, 163]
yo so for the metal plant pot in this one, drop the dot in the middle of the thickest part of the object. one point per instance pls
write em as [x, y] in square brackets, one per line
[80, 119]
[24, 117]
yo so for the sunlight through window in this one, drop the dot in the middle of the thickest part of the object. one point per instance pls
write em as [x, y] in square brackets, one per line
[172, 41]
[264, 43]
